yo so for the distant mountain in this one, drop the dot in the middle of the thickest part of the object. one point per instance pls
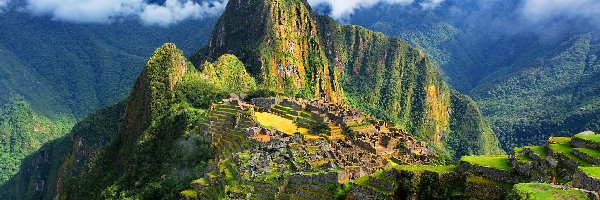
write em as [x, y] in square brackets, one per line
[53, 73]
[73, 69]
[528, 78]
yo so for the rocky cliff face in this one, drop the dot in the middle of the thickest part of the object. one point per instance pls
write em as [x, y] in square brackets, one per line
[278, 42]
[388, 78]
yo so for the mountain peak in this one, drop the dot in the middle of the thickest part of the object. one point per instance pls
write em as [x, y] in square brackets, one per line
[153, 90]
[278, 42]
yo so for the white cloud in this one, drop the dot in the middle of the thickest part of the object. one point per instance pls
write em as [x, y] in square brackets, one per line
[431, 4]
[174, 11]
[539, 10]
[341, 9]
[3, 4]
[106, 11]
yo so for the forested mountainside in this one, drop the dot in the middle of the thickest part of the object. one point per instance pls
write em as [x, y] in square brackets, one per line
[174, 132]
[78, 68]
[53, 73]
[379, 75]
[507, 65]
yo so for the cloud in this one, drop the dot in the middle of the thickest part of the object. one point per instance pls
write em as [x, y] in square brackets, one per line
[174, 11]
[431, 4]
[543, 10]
[3, 5]
[342, 9]
[107, 11]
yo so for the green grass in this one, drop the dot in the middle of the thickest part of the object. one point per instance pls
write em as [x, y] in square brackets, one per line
[201, 181]
[592, 171]
[431, 168]
[496, 162]
[542, 191]
[523, 158]
[591, 152]
[279, 123]
[487, 181]
[594, 138]
[559, 140]
[567, 151]
[539, 150]
[190, 194]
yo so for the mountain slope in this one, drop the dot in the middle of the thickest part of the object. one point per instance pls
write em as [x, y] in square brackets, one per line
[551, 95]
[278, 42]
[22, 132]
[487, 50]
[62, 71]
[39, 56]
[380, 75]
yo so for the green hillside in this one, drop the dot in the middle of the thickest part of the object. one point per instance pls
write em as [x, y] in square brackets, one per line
[54, 73]
[529, 80]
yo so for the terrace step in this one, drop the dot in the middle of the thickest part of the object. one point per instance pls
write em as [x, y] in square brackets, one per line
[586, 140]
[497, 168]
[564, 154]
[590, 155]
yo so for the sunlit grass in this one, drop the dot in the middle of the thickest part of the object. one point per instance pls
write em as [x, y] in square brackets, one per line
[282, 124]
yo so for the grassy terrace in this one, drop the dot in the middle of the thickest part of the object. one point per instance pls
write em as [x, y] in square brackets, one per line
[279, 123]
[487, 181]
[520, 157]
[591, 171]
[591, 152]
[496, 162]
[541, 191]
[420, 168]
[559, 140]
[594, 138]
[567, 151]
[539, 150]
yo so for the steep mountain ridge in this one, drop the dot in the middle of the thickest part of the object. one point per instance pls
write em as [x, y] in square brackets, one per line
[379, 75]
[507, 64]
[278, 42]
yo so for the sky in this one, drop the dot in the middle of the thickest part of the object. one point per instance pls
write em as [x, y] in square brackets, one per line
[174, 11]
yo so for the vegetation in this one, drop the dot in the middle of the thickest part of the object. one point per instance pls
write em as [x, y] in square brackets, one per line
[68, 156]
[229, 73]
[23, 131]
[282, 124]
[497, 162]
[318, 128]
[530, 84]
[542, 191]
[589, 137]
[539, 150]
[591, 152]
[420, 168]
[567, 151]
[591, 171]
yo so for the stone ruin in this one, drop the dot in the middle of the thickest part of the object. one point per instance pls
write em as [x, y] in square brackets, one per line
[365, 147]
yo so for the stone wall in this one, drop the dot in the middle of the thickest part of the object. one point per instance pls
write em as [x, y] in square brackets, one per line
[266, 103]
[584, 181]
[364, 193]
[581, 143]
[317, 179]
[586, 157]
[488, 172]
